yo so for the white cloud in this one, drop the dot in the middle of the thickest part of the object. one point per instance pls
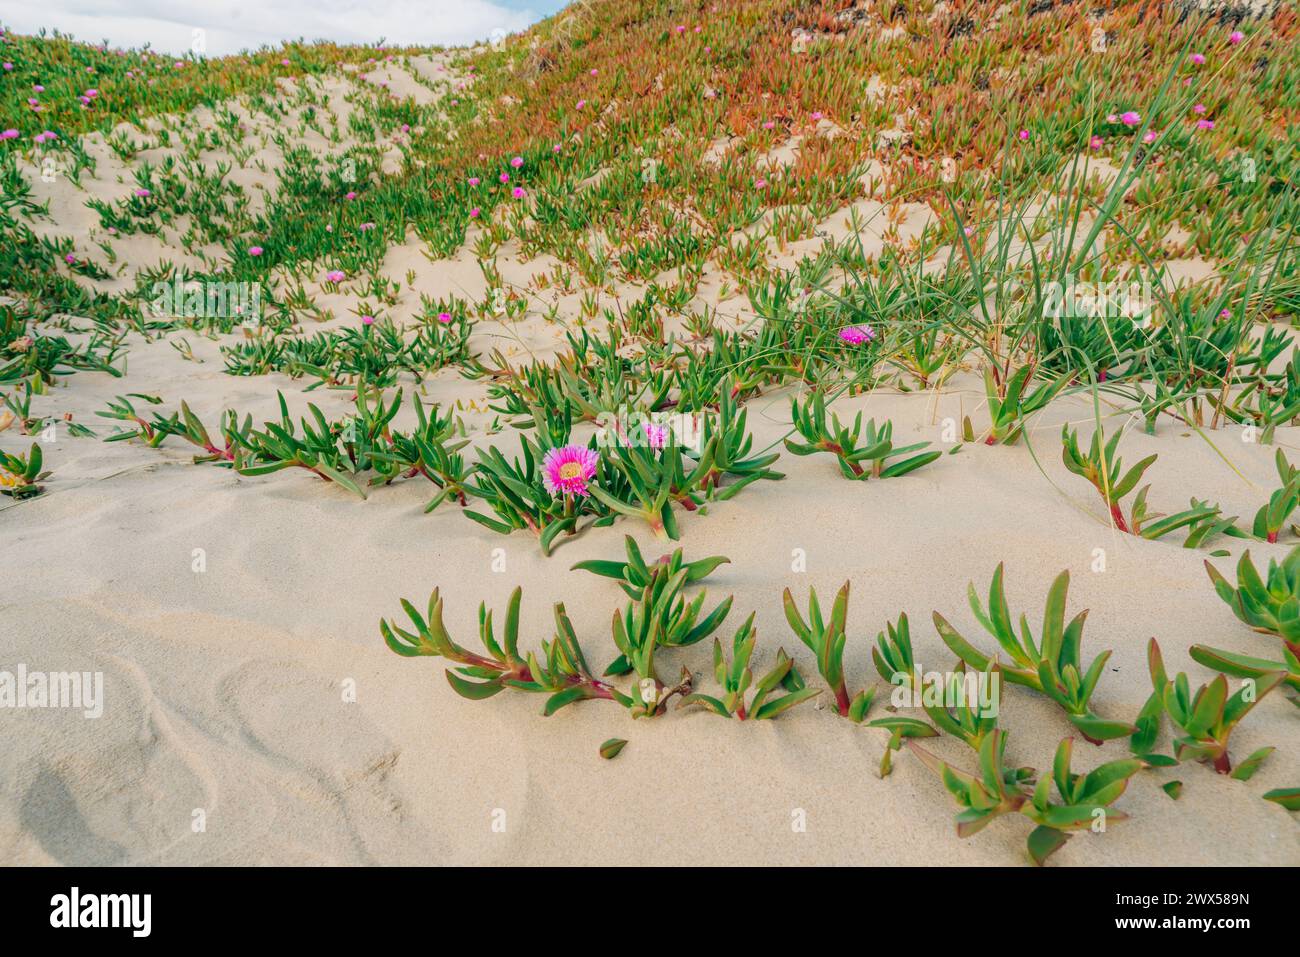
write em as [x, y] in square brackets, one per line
[233, 25]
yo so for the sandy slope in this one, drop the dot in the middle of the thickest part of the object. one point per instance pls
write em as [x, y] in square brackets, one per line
[225, 689]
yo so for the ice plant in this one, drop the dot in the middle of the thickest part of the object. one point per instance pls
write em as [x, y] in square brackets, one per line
[1268, 604]
[1010, 404]
[634, 574]
[560, 672]
[1208, 717]
[736, 678]
[661, 617]
[19, 474]
[1103, 469]
[861, 454]
[1051, 665]
[1271, 518]
[1084, 799]
[569, 469]
[857, 335]
[826, 638]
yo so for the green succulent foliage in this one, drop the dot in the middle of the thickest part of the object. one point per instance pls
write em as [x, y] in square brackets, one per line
[1268, 604]
[1248, 666]
[1271, 518]
[1010, 406]
[611, 748]
[1051, 665]
[432, 449]
[648, 482]
[949, 705]
[634, 574]
[724, 437]
[1102, 467]
[1081, 799]
[826, 638]
[19, 474]
[1289, 798]
[661, 617]
[861, 454]
[736, 678]
[1208, 716]
[561, 672]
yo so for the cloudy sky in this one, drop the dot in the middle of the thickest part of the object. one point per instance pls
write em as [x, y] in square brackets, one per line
[233, 25]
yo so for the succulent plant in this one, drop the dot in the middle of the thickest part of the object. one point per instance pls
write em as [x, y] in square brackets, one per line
[1270, 605]
[19, 474]
[1084, 799]
[1271, 518]
[736, 679]
[661, 617]
[1103, 469]
[561, 673]
[827, 638]
[634, 574]
[1051, 665]
[1207, 717]
[853, 447]
[1009, 403]
[1289, 798]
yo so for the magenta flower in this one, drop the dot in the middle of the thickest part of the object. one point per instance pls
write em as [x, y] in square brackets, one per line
[504, 177]
[567, 470]
[581, 104]
[656, 434]
[1023, 134]
[1130, 118]
[351, 195]
[1150, 136]
[1096, 142]
[1235, 37]
[335, 275]
[1198, 58]
[475, 213]
[760, 183]
[255, 250]
[856, 335]
[9, 135]
[517, 162]
[367, 320]
[474, 181]
[444, 317]
[143, 193]
[1205, 124]
[517, 192]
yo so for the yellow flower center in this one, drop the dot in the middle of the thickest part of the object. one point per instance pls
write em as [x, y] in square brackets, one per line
[570, 470]
[9, 480]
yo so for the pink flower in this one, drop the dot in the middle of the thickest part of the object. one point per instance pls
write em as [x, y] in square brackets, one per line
[656, 434]
[70, 259]
[760, 184]
[1095, 142]
[255, 250]
[1023, 134]
[1198, 58]
[284, 63]
[444, 317]
[581, 104]
[45, 137]
[1150, 136]
[504, 177]
[475, 213]
[350, 196]
[816, 117]
[1235, 37]
[769, 125]
[1130, 118]
[517, 162]
[9, 135]
[594, 71]
[556, 148]
[517, 192]
[366, 227]
[8, 67]
[567, 470]
[1199, 108]
[856, 335]
[143, 193]
[474, 181]
[1225, 313]
[1205, 124]
[335, 275]
[367, 320]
